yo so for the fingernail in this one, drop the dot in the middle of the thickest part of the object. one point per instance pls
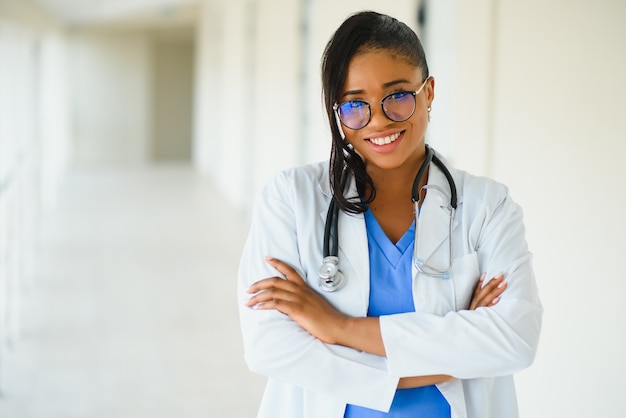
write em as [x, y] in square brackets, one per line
[482, 277]
[502, 284]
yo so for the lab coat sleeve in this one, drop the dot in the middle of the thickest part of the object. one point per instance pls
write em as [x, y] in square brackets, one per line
[486, 342]
[279, 348]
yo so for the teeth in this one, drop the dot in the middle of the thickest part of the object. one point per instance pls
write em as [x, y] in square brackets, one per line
[385, 139]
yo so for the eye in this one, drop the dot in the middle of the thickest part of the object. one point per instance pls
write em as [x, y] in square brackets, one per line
[352, 105]
[398, 96]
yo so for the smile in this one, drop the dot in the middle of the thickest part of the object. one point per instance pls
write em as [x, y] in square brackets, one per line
[385, 139]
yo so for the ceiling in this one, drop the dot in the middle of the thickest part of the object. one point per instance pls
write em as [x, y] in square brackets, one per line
[143, 12]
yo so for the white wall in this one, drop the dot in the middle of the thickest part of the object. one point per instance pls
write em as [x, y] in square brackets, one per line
[207, 87]
[34, 114]
[54, 114]
[440, 44]
[246, 120]
[132, 98]
[172, 96]
[33, 145]
[111, 90]
[542, 101]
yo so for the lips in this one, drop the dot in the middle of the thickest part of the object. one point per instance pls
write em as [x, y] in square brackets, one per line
[384, 140]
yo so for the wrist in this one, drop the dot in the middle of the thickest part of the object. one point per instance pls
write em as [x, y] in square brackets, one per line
[361, 333]
[342, 330]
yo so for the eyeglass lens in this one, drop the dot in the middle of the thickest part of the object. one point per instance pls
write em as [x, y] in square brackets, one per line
[354, 114]
[398, 107]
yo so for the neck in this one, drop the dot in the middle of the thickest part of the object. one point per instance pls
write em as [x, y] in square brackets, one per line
[399, 179]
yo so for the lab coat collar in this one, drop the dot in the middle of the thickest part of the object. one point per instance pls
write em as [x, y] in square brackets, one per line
[434, 228]
[438, 178]
[325, 182]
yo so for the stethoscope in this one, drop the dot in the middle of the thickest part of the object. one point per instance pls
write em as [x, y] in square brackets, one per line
[331, 277]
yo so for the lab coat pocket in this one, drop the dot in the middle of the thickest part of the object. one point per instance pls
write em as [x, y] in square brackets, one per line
[465, 275]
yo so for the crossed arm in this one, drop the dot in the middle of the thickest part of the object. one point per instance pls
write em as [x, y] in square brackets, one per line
[294, 298]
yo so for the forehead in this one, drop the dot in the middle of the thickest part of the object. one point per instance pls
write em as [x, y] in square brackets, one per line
[372, 69]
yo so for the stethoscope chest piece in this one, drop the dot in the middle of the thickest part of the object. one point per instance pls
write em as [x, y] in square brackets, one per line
[331, 278]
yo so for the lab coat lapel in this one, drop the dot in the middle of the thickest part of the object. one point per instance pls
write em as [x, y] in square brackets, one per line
[353, 251]
[352, 232]
[434, 227]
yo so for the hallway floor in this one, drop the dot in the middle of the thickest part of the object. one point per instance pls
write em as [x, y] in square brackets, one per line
[130, 311]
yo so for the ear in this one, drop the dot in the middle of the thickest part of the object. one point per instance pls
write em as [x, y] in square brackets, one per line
[430, 90]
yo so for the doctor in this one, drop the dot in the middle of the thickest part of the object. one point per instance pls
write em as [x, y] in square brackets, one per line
[406, 335]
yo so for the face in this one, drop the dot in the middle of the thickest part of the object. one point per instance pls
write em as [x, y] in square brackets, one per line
[383, 143]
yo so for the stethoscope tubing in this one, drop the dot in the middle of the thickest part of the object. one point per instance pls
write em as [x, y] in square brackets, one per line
[332, 225]
[331, 237]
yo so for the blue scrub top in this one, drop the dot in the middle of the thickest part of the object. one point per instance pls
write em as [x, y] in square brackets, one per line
[391, 293]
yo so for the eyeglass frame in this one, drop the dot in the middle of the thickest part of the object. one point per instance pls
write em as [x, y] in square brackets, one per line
[414, 93]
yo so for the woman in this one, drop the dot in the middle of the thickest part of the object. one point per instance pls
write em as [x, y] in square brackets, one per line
[406, 335]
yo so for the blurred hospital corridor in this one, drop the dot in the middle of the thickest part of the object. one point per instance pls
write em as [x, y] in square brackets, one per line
[136, 135]
[131, 311]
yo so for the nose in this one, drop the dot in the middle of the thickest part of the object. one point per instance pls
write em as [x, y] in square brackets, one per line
[378, 117]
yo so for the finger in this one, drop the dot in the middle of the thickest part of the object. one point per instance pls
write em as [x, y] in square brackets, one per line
[274, 295]
[484, 294]
[270, 283]
[495, 286]
[490, 292]
[488, 287]
[270, 305]
[282, 306]
[493, 297]
[479, 285]
[477, 291]
[289, 272]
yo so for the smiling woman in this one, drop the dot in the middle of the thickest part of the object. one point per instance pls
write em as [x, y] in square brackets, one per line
[434, 329]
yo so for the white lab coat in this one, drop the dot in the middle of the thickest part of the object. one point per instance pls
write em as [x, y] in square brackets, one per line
[482, 348]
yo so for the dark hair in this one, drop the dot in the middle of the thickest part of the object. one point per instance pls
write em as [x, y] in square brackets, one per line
[360, 32]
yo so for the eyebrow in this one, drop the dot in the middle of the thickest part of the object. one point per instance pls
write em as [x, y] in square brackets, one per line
[386, 85]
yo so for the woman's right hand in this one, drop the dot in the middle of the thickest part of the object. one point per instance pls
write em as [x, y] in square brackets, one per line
[484, 296]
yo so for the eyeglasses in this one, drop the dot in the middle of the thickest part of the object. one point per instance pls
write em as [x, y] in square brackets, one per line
[397, 107]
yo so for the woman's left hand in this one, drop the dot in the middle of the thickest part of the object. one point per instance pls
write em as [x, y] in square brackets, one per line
[294, 298]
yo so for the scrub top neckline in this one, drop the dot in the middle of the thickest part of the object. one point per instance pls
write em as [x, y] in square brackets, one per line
[393, 252]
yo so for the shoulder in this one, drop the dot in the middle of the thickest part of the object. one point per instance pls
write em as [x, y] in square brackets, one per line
[472, 187]
[484, 199]
[480, 187]
[313, 172]
[479, 195]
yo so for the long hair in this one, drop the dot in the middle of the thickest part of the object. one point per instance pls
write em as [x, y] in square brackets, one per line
[359, 33]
